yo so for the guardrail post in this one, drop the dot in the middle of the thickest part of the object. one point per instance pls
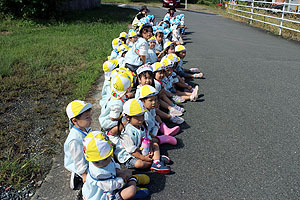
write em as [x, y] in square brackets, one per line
[252, 6]
[282, 17]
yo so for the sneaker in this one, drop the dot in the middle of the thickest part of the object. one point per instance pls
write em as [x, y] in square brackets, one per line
[176, 119]
[194, 95]
[142, 179]
[165, 159]
[194, 70]
[75, 181]
[160, 168]
[141, 193]
[199, 75]
[181, 40]
[178, 99]
[179, 108]
[174, 111]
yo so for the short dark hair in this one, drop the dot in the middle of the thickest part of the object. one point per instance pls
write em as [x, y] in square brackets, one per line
[78, 116]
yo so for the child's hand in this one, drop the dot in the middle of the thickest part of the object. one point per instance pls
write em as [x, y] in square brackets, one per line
[129, 95]
[125, 174]
[151, 153]
[148, 158]
[83, 177]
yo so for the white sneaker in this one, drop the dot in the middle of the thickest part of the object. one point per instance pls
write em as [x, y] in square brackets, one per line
[199, 75]
[177, 120]
[179, 108]
[194, 95]
[174, 111]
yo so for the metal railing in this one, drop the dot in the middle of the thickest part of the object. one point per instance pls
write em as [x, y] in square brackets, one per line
[252, 8]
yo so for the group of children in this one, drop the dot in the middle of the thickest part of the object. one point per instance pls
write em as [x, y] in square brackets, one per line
[144, 82]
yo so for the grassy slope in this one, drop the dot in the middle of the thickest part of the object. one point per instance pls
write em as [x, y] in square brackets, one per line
[43, 66]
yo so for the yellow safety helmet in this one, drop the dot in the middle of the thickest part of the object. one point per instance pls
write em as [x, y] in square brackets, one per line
[134, 107]
[147, 91]
[96, 146]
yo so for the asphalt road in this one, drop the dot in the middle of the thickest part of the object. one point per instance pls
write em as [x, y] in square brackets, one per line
[241, 139]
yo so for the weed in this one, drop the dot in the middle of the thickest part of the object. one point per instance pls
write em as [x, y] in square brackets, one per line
[43, 66]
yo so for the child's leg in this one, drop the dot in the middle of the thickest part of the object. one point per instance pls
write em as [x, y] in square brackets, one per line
[156, 152]
[185, 95]
[129, 191]
[162, 114]
[164, 105]
[140, 164]
[166, 99]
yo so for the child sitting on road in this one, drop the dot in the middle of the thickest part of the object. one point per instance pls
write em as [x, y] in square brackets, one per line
[115, 45]
[145, 77]
[135, 131]
[148, 95]
[108, 67]
[105, 180]
[186, 73]
[181, 84]
[122, 50]
[152, 57]
[159, 35]
[112, 109]
[169, 82]
[79, 114]
[132, 38]
[123, 37]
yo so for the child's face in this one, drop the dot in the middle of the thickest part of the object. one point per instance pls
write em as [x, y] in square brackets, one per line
[147, 33]
[133, 39]
[160, 75]
[123, 40]
[171, 49]
[84, 121]
[145, 79]
[150, 102]
[159, 37]
[169, 71]
[181, 54]
[152, 45]
[172, 12]
[137, 121]
[102, 163]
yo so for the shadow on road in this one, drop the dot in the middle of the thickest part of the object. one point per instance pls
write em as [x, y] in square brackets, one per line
[188, 33]
[204, 13]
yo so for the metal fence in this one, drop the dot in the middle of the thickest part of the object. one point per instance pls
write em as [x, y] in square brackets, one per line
[254, 8]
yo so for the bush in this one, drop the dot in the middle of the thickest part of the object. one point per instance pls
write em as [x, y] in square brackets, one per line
[29, 8]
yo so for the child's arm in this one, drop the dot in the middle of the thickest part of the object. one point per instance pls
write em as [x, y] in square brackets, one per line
[141, 157]
[111, 184]
[77, 154]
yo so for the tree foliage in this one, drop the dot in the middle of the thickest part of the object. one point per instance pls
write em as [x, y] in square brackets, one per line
[29, 8]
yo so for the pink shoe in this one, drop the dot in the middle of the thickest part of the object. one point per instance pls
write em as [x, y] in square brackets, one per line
[166, 139]
[168, 131]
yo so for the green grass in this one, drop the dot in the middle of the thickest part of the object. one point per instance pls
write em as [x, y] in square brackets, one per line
[43, 66]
